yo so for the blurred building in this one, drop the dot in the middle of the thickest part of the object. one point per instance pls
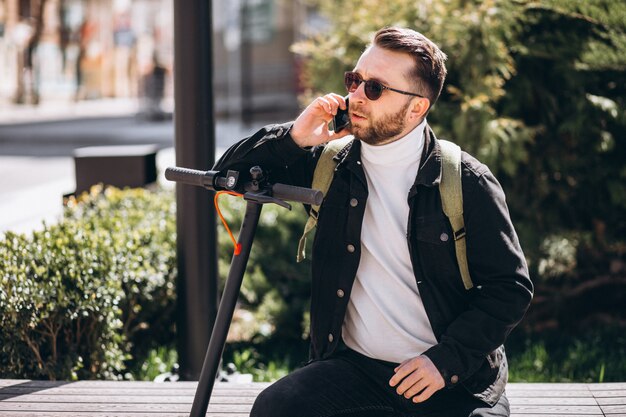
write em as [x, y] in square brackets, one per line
[80, 49]
[90, 49]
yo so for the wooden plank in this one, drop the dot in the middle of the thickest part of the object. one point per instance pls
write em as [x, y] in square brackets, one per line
[612, 401]
[552, 401]
[578, 410]
[514, 413]
[137, 392]
[11, 382]
[548, 393]
[540, 386]
[119, 408]
[609, 394]
[105, 384]
[121, 398]
[129, 384]
[614, 409]
[608, 386]
[91, 414]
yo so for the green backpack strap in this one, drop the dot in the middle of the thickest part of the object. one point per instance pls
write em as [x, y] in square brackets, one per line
[452, 201]
[322, 177]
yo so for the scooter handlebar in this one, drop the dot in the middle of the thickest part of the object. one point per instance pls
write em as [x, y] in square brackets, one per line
[210, 180]
[297, 194]
[191, 176]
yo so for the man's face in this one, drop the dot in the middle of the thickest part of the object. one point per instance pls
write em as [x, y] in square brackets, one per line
[387, 119]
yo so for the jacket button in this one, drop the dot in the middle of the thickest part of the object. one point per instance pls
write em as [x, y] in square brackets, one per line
[454, 379]
[331, 338]
[444, 237]
[340, 293]
[354, 202]
[351, 248]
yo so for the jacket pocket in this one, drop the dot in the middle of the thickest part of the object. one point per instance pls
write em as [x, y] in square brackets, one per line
[434, 236]
[434, 230]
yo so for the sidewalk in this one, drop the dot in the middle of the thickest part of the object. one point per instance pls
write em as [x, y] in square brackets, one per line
[32, 183]
[24, 207]
[66, 110]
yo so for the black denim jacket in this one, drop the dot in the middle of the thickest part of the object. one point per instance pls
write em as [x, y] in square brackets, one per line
[470, 326]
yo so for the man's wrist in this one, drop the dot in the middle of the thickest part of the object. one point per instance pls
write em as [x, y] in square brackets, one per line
[292, 145]
[297, 138]
[445, 363]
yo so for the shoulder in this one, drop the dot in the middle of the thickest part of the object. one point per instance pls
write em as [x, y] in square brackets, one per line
[477, 175]
[471, 166]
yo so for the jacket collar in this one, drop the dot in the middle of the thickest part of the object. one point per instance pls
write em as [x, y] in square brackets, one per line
[429, 173]
[349, 157]
[349, 153]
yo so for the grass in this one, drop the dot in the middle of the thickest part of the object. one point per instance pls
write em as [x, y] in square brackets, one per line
[597, 356]
[158, 362]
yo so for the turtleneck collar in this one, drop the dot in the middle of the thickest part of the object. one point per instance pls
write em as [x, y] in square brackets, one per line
[405, 150]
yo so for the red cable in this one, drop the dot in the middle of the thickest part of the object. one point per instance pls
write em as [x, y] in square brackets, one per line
[219, 213]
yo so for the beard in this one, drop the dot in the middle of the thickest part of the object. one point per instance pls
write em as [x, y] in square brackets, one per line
[381, 131]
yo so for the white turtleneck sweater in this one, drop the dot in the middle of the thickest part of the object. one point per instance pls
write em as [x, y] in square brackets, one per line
[386, 318]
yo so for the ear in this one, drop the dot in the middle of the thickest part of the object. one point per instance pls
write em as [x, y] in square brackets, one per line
[419, 108]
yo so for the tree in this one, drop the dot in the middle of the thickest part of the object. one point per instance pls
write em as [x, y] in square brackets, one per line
[535, 90]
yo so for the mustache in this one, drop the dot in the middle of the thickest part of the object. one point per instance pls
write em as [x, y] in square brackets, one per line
[358, 110]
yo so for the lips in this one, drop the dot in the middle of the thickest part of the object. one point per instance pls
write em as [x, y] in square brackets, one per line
[357, 116]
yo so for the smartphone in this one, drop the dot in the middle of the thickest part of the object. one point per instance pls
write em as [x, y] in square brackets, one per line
[341, 119]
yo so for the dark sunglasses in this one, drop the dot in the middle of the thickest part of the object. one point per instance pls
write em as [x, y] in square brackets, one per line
[373, 88]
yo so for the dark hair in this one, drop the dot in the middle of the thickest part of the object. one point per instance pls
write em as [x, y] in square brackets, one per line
[430, 68]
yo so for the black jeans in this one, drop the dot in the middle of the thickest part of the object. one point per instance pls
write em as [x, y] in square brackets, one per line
[352, 385]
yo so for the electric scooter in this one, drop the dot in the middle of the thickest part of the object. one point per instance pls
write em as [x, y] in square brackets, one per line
[257, 192]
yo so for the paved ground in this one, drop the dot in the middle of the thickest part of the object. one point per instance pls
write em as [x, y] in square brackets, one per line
[37, 143]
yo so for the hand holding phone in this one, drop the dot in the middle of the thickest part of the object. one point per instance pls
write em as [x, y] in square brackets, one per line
[316, 124]
[342, 119]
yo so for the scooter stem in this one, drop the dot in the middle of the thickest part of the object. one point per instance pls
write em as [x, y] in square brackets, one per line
[226, 310]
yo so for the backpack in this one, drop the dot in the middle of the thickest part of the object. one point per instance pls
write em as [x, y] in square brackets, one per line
[449, 188]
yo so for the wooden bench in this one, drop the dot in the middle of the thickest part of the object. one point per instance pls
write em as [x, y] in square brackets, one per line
[24, 398]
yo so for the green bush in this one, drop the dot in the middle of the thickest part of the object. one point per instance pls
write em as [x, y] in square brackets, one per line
[94, 295]
[59, 309]
[83, 298]
[142, 226]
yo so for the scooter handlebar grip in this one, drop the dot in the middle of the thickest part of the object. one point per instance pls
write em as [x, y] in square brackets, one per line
[297, 194]
[190, 176]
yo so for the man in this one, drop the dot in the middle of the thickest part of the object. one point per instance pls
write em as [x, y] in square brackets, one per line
[393, 330]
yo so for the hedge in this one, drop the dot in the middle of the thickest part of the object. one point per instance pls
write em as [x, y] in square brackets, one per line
[93, 296]
[84, 298]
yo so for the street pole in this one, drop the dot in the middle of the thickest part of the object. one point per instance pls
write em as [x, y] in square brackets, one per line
[247, 83]
[197, 296]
